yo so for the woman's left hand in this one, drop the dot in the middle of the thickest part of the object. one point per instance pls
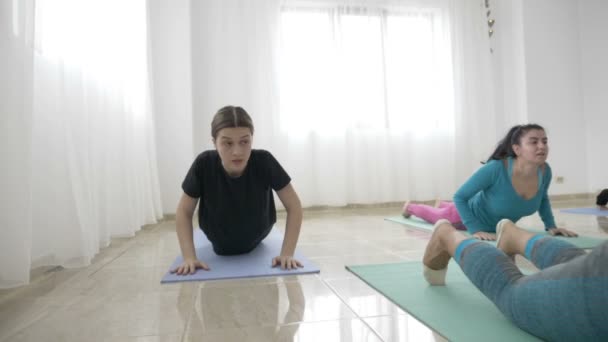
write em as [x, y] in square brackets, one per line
[287, 262]
[562, 231]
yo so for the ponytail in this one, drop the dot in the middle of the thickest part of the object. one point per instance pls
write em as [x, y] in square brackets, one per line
[504, 148]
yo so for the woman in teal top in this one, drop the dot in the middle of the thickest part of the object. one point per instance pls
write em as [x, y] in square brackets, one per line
[512, 184]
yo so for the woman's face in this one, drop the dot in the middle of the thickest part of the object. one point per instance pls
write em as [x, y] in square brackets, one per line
[233, 144]
[533, 147]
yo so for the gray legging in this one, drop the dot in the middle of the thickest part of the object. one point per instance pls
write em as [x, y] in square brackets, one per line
[567, 300]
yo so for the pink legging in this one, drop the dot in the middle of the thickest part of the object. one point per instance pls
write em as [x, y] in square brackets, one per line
[446, 210]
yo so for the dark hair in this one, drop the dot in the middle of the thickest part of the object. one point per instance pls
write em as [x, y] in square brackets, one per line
[230, 116]
[505, 146]
[602, 198]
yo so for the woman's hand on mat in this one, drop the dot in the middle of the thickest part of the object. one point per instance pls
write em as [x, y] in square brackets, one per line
[287, 262]
[562, 231]
[485, 236]
[189, 266]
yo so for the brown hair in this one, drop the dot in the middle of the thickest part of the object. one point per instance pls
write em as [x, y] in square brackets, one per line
[230, 116]
[504, 148]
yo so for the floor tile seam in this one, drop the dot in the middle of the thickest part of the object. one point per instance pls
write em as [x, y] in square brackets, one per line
[335, 291]
[109, 262]
[268, 325]
[15, 331]
[195, 295]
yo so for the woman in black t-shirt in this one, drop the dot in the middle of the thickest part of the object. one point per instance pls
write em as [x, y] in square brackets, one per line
[234, 184]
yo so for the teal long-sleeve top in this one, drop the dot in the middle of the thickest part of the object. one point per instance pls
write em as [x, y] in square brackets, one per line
[488, 197]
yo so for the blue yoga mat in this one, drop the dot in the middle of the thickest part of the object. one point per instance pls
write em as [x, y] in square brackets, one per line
[256, 263]
[586, 211]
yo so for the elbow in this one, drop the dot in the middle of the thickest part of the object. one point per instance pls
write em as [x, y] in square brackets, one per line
[295, 209]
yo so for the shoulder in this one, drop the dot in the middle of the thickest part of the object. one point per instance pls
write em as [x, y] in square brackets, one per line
[262, 156]
[206, 159]
[494, 163]
[260, 153]
[494, 166]
[207, 155]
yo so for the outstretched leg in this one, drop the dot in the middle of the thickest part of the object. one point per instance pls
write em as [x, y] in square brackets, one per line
[490, 269]
[544, 251]
[431, 214]
[564, 302]
[443, 204]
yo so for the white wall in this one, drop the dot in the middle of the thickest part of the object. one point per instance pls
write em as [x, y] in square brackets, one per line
[554, 87]
[169, 23]
[593, 25]
[550, 67]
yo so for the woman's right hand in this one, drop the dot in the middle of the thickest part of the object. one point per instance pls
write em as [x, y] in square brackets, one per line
[485, 236]
[189, 266]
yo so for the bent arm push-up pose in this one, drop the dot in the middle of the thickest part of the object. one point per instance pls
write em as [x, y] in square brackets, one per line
[234, 184]
[513, 183]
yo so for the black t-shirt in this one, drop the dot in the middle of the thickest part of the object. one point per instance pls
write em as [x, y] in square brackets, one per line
[236, 214]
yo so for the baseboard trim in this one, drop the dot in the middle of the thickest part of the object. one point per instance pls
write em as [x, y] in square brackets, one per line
[168, 217]
[565, 197]
[317, 208]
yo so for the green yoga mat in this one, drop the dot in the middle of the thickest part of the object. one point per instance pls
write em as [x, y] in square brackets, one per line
[585, 242]
[457, 311]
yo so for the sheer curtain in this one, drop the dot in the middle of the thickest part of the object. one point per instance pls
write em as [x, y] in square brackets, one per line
[361, 101]
[15, 143]
[366, 89]
[90, 171]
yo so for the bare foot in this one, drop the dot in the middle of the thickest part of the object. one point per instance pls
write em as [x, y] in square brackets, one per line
[405, 213]
[436, 256]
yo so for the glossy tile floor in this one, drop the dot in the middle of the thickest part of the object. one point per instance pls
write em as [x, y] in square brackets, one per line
[119, 297]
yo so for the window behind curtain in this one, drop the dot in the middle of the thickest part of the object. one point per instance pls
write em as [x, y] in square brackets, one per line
[367, 69]
[104, 41]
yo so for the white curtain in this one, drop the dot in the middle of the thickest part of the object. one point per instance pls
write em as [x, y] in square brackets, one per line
[15, 143]
[85, 145]
[361, 101]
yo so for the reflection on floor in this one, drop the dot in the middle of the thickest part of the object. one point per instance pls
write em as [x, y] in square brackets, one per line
[119, 297]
